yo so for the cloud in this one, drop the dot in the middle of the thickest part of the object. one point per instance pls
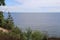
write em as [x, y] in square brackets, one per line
[22, 9]
[39, 3]
[34, 6]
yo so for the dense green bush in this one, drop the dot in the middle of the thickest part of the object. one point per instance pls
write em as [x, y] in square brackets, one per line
[37, 35]
[8, 36]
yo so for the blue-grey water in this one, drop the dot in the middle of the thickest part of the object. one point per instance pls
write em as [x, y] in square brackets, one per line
[49, 22]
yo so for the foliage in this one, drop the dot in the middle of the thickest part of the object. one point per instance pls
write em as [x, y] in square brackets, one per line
[2, 22]
[16, 30]
[28, 34]
[2, 2]
[9, 22]
[44, 37]
[7, 36]
[37, 35]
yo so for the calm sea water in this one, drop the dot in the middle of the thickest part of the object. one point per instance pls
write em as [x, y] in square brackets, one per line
[49, 22]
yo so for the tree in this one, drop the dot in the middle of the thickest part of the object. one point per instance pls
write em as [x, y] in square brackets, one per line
[37, 35]
[2, 2]
[2, 22]
[22, 37]
[9, 22]
[18, 32]
[28, 34]
[44, 37]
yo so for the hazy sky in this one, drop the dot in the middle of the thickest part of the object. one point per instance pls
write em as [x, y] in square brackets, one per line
[32, 6]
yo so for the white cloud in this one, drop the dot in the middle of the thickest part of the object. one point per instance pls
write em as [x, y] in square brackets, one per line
[39, 3]
[22, 9]
[35, 6]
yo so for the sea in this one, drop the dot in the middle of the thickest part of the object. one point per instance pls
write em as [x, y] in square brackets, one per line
[48, 23]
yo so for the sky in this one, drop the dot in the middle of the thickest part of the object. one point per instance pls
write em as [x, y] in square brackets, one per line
[32, 6]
